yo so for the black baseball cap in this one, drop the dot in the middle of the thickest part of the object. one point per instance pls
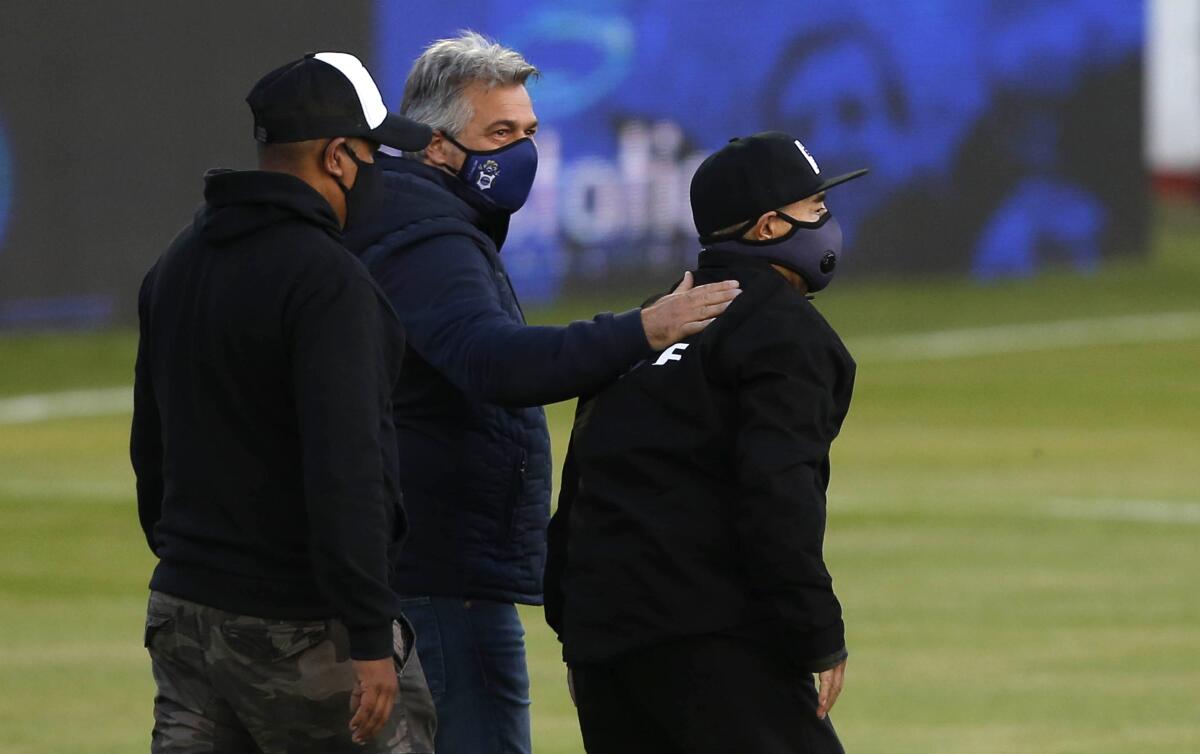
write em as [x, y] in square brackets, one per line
[755, 174]
[328, 94]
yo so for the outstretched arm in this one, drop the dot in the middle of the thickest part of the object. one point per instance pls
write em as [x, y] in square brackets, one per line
[445, 293]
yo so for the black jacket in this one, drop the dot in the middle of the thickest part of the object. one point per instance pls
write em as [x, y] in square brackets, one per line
[693, 497]
[474, 450]
[262, 431]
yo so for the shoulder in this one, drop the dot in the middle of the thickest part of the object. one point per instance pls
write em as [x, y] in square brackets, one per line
[315, 262]
[419, 212]
[772, 321]
[315, 251]
[428, 242]
[765, 296]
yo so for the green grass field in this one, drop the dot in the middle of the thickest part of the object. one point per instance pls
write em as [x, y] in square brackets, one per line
[1014, 534]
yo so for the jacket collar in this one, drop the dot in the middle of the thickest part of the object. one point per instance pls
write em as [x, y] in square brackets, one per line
[732, 260]
[726, 258]
[241, 201]
[476, 208]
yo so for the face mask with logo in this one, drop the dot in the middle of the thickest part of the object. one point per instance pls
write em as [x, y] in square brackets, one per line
[366, 195]
[811, 249]
[505, 175]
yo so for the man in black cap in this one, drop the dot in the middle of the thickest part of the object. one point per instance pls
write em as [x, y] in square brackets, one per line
[685, 576]
[264, 448]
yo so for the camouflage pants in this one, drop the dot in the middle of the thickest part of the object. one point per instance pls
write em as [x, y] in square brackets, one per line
[232, 683]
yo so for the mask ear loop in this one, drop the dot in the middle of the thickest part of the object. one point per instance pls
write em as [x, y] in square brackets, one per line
[732, 235]
[357, 163]
[463, 170]
[455, 142]
[802, 224]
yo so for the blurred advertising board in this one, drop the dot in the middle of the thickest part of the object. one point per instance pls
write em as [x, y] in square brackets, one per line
[1002, 136]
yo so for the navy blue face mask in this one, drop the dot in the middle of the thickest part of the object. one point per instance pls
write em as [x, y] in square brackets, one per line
[505, 175]
[812, 250]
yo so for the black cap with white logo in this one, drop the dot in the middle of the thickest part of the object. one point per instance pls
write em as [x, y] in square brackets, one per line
[752, 175]
[328, 94]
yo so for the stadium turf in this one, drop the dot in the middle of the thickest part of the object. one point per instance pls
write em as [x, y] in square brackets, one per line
[1014, 532]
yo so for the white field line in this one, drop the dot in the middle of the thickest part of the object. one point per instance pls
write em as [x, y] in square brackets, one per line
[1039, 336]
[65, 489]
[40, 407]
[943, 344]
[1140, 511]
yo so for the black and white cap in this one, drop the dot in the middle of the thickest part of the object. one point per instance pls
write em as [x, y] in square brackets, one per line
[328, 94]
[755, 174]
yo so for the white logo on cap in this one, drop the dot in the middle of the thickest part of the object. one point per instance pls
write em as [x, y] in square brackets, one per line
[808, 157]
[364, 86]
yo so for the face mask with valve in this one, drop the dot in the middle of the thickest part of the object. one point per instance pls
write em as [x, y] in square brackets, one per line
[811, 249]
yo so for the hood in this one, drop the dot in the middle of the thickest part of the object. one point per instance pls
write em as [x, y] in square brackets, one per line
[425, 200]
[240, 202]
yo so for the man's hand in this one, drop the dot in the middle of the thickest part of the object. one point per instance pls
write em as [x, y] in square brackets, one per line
[372, 699]
[686, 311]
[831, 687]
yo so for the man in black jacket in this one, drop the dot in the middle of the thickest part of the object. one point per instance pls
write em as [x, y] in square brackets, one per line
[686, 578]
[474, 449]
[264, 448]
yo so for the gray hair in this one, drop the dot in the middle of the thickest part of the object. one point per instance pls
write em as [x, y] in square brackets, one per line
[433, 94]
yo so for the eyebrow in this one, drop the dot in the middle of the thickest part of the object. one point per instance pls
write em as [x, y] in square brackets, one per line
[509, 124]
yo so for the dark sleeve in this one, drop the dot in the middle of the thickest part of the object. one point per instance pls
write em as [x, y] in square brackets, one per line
[145, 437]
[445, 294]
[557, 541]
[342, 385]
[785, 413]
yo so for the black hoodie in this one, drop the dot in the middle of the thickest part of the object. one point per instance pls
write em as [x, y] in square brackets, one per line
[262, 432]
[693, 495]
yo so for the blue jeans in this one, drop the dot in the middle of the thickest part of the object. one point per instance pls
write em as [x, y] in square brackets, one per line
[473, 653]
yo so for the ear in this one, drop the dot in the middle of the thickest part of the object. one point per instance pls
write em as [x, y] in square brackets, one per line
[435, 153]
[763, 230]
[333, 157]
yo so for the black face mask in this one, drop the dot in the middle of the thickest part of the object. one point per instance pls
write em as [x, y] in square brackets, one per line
[365, 196]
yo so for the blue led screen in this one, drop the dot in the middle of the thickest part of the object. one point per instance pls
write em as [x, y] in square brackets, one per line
[1002, 135]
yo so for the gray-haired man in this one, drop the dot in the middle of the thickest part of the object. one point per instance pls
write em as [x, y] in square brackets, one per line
[474, 450]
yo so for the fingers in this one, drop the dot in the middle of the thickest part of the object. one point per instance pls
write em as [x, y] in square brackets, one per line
[691, 328]
[372, 698]
[362, 711]
[832, 681]
[709, 300]
[677, 315]
[715, 293]
[685, 284]
[708, 311]
[709, 293]
[373, 713]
